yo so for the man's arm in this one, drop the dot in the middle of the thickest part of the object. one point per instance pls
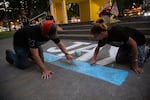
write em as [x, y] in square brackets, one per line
[134, 48]
[64, 50]
[35, 54]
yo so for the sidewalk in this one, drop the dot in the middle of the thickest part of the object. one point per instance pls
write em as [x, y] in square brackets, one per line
[66, 84]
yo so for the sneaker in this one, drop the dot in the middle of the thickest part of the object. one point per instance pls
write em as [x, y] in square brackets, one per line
[148, 54]
[8, 58]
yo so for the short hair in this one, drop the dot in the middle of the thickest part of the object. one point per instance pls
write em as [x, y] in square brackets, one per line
[49, 17]
[46, 25]
[48, 28]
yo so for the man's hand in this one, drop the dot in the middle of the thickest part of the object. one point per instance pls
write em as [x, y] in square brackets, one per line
[47, 74]
[68, 56]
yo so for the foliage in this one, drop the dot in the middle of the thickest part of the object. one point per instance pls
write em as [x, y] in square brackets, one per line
[41, 6]
[38, 6]
[34, 6]
[124, 4]
[4, 35]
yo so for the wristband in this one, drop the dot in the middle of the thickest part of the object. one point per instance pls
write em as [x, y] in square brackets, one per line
[135, 60]
[67, 54]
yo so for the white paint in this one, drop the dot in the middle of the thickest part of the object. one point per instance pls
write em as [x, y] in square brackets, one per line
[106, 61]
[113, 51]
[107, 52]
[85, 49]
[112, 55]
[75, 45]
[89, 50]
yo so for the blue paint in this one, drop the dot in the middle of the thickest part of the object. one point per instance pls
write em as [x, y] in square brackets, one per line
[112, 75]
[50, 57]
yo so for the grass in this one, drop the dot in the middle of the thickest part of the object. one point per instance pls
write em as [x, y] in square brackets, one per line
[4, 35]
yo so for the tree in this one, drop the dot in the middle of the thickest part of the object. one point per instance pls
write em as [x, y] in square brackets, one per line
[127, 4]
[34, 7]
[39, 6]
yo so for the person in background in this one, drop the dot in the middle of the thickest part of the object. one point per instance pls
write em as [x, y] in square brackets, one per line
[23, 18]
[131, 42]
[105, 14]
[27, 43]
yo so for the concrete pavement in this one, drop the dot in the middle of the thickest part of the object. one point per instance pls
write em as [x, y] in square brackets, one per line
[65, 84]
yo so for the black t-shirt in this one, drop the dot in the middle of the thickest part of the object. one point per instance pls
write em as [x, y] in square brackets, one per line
[118, 36]
[31, 36]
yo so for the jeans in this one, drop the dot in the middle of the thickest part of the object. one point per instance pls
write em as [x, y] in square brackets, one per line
[142, 55]
[22, 55]
[124, 55]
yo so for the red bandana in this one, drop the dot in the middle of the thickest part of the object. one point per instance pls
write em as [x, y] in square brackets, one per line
[46, 25]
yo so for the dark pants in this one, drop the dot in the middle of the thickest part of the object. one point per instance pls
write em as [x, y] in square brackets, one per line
[124, 55]
[22, 55]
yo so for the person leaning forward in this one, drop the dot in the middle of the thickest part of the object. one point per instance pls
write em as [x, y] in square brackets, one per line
[27, 44]
[131, 44]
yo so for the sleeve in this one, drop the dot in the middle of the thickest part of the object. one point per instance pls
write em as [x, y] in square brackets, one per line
[53, 36]
[56, 40]
[34, 37]
[53, 32]
[101, 42]
[120, 33]
[123, 35]
[32, 43]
